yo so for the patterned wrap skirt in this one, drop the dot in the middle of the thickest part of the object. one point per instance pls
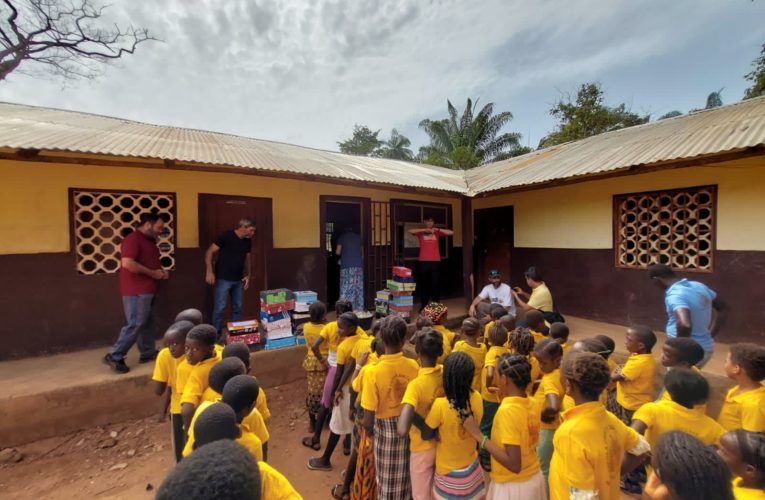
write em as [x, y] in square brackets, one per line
[364, 485]
[463, 483]
[352, 286]
[315, 375]
[391, 461]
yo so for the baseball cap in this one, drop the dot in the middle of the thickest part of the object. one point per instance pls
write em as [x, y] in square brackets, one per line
[494, 273]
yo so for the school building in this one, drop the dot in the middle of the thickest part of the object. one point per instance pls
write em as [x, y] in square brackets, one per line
[591, 214]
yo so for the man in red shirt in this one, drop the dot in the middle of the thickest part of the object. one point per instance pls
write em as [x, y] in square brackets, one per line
[428, 279]
[140, 269]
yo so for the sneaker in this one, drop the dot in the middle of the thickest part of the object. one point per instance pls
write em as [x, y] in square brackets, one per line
[148, 359]
[117, 366]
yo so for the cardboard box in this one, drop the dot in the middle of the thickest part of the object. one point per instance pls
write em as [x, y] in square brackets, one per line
[249, 338]
[242, 327]
[402, 271]
[400, 287]
[276, 296]
[277, 307]
[280, 343]
[400, 279]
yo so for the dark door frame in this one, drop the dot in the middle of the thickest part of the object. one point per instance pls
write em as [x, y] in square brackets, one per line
[266, 223]
[366, 232]
[477, 278]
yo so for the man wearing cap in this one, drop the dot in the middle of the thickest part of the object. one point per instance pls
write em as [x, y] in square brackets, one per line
[428, 279]
[692, 308]
[495, 292]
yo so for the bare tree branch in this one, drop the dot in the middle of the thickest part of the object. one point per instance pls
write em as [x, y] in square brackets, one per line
[62, 38]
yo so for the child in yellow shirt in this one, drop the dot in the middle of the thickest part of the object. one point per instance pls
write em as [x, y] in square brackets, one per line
[315, 372]
[535, 321]
[381, 400]
[340, 422]
[559, 333]
[458, 471]
[687, 390]
[437, 313]
[522, 342]
[680, 352]
[192, 315]
[165, 380]
[684, 467]
[417, 400]
[744, 453]
[470, 346]
[496, 313]
[324, 349]
[515, 472]
[634, 380]
[549, 397]
[202, 356]
[218, 421]
[744, 406]
[590, 443]
[223, 371]
[241, 351]
[497, 342]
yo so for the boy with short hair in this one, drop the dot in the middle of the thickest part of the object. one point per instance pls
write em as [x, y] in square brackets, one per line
[190, 314]
[535, 321]
[681, 352]
[634, 379]
[201, 354]
[241, 351]
[497, 348]
[559, 333]
[165, 380]
[469, 344]
[219, 421]
[496, 312]
[744, 406]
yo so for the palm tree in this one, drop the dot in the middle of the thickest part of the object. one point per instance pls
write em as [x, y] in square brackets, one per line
[471, 140]
[396, 147]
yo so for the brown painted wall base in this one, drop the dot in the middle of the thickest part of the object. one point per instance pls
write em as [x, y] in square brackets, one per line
[88, 405]
[585, 283]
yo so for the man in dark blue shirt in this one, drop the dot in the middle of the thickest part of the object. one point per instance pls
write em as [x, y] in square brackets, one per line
[228, 269]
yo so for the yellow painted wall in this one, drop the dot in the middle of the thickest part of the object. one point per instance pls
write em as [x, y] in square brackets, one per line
[581, 215]
[34, 201]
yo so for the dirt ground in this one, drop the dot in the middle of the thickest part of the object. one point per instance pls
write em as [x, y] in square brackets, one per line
[128, 460]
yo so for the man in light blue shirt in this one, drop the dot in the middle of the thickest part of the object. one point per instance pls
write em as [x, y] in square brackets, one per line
[691, 308]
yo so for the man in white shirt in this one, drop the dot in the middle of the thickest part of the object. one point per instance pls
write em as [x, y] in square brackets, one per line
[495, 292]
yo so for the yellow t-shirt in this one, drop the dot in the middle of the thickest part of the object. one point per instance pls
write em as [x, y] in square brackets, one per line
[274, 486]
[516, 423]
[247, 439]
[182, 374]
[211, 395]
[550, 384]
[566, 346]
[541, 298]
[637, 387]
[665, 416]
[252, 443]
[745, 410]
[487, 328]
[189, 446]
[420, 393]
[456, 449]
[346, 347]
[478, 355]
[312, 331]
[165, 370]
[364, 344]
[666, 397]
[332, 338]
[361, 379]
[536, 373]
[386, 384]
[589, 446]
[568, 401]
[254, 423]
[538, 336]
[741, 493]
[262, 404]
[492, 355]
[446, 333]
[197, 382]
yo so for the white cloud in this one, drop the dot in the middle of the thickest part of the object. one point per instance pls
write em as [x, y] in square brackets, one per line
[306, 71]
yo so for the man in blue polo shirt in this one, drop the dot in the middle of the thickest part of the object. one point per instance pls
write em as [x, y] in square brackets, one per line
[691, 308]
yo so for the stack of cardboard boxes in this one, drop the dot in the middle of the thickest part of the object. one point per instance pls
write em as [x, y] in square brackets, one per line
[275, 307]
[401, 289]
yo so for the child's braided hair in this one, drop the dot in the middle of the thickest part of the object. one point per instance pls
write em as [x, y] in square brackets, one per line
[522, 341]
[690, 469]
[517, 368]
[458, 377]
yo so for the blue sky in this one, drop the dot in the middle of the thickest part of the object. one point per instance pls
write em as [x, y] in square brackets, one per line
[305, 72]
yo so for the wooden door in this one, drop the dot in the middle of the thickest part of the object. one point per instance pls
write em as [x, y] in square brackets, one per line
[219, 213]
[493, 233]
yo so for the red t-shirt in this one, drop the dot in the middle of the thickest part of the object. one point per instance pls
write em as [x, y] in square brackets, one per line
[429, 251]
[144, 251]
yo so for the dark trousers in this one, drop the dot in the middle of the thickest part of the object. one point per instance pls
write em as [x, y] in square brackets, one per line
[178, 435]
[429, 283]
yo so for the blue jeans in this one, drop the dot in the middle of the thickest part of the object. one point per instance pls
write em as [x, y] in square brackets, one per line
[224, 288]
[139, 313]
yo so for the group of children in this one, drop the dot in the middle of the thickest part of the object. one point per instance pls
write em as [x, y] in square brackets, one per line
[519, 412]
[213, 402]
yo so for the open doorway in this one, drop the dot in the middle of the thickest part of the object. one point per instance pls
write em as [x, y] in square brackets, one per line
[493, 233]
[340, 215]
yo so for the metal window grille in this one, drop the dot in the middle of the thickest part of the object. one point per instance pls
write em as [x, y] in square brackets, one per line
[101, 219]
[674, 227]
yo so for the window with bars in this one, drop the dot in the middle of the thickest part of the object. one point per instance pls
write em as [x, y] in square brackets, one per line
[101, 219]
[674, 227]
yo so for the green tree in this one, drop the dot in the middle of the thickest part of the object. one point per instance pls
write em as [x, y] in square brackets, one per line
[756, 76]
[469, 140]
[396, 147]
[671, 114]
[714, 100]
[587, 115]
[363, 142]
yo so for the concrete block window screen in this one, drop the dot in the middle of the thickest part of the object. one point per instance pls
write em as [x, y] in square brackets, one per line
[101, 219]
[675, 227]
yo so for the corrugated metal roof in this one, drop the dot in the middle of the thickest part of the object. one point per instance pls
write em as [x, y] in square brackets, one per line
[725, 129]
[58, 130]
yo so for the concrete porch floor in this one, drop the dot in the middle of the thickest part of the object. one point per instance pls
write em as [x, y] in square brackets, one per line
[47, 396]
